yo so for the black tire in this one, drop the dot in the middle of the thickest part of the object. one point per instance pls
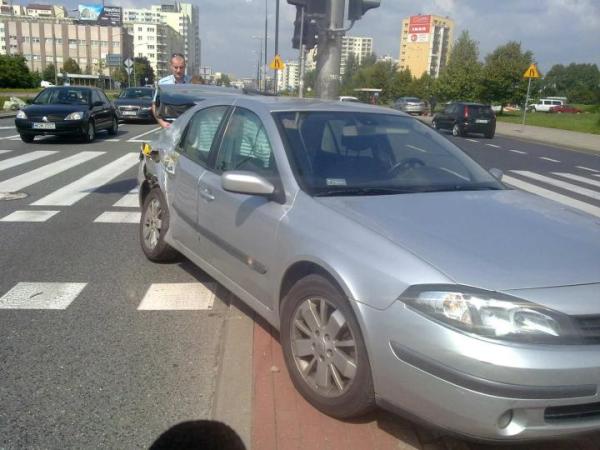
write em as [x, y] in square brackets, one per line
[357, 397]
[90, 132]
[114, 128]
[28, 138]
[151, 232]
[457, 130]
[435, 125]
[490, 134]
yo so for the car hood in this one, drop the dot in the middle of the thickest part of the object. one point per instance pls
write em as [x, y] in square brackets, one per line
[39, 110]
[496, 240]
[133, 101]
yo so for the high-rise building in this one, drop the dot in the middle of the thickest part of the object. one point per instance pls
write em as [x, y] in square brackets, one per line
[289, 77]
[181, 17]
[360, 46]
[425, 44]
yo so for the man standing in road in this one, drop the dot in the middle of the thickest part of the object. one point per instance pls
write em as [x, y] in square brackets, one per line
[177, 76]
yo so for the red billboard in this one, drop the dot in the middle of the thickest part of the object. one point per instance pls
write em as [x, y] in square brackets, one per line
[419, 24]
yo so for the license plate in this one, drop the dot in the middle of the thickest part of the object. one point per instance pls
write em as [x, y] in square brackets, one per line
[44, 125]
[481, 121]
[128, 113]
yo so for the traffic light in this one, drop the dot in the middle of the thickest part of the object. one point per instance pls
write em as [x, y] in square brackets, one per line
[357, 8]
[310, 29]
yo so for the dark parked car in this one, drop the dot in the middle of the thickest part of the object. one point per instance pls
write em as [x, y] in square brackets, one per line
[135, 104]
[464, 118]
[67, 110]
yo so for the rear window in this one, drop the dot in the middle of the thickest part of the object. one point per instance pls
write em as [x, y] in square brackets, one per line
[480, 111]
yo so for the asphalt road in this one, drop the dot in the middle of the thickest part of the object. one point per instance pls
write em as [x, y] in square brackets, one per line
[88, 357]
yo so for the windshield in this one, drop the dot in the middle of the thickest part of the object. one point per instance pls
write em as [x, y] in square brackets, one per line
[63, 96]
[355, 153]
[137, 93]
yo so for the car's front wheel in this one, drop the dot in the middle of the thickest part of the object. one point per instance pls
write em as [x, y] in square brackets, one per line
[28, 138]
[324, 350]
[153, 227]
[90, 132]
[114, 128]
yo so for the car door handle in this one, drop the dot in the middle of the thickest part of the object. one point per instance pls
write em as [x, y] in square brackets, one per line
[206, 194]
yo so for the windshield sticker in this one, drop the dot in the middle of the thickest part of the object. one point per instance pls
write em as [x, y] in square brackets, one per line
[335, 182]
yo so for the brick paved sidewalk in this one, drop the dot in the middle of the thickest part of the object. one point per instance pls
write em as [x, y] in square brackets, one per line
[282, 419]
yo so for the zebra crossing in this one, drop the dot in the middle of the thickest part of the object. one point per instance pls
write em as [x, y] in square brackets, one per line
[101, 137]
[158, 297]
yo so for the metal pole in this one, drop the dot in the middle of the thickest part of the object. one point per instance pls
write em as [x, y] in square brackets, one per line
[302, 56]
[276, 43]
[330, 53]
[526, 101]
[266, 44]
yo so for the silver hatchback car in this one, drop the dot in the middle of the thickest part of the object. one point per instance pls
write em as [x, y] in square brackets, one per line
[398, 271]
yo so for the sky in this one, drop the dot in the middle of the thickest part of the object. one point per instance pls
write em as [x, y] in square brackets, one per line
[556, 31]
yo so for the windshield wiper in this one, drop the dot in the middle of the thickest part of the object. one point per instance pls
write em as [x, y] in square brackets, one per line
[362, 191]
[463, 187]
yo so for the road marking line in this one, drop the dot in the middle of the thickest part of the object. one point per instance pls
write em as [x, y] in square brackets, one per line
[119, 217]
[518, 151]
[587, 168]
[7, 128]
[586, 207]
[28, 157]
[84, 186]
[416, 148]
[578, 178]
[41, 295]
[29, 216]
[178, 297]
[111, 140]
[11, 137]
[136, 140]
[493, 145]
[549, 159]
[129, 200]
[558, 183]
[35, 176]
[133, 139]
[5, 151]
[472, 140]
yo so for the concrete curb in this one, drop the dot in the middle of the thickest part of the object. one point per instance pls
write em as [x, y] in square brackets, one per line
[233, 398]
[4, 115]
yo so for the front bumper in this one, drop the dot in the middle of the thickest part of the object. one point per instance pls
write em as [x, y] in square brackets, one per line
[140, 114]
[480, 388]
[64, 127]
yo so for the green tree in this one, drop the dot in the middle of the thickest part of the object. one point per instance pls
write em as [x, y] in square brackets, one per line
[580, 83]
[143, 70]
[461, 78]
[310, 79]
[36, 79]
[502, 80]
[71, 66]
[400, 85]
[350, 71]
[224, 80]
[422, 87]
[14, 72]
[49, 73]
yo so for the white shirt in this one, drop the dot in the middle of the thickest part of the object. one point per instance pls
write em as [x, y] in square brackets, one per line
[170, 79]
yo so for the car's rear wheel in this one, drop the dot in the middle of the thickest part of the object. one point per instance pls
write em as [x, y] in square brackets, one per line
[90, 132]
[324, 350]
[27, 137]
[456, 130]
[153, 227]
[114, 128]
[490, 134]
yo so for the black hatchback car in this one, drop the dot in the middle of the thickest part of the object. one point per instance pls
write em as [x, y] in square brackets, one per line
[463, 118]
[135, 103]
[67, 110]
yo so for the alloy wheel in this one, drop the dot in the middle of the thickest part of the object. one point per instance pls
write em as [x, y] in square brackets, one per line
[152, 224]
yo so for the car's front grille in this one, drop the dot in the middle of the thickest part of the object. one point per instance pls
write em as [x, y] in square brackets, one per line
[587, 411]
[589, 326]
[51, 117]
[129, 108]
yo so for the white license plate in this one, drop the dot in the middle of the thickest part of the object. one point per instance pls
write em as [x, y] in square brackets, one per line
[128, 113]
[44, 125]
[481, 121]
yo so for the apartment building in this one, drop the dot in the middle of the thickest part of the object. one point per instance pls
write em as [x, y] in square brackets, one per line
[289, 77]
[360, 46]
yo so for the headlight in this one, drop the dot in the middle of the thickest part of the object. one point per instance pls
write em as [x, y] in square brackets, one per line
[491, 314]
[21, 115]
[146, 108]
[75, 116]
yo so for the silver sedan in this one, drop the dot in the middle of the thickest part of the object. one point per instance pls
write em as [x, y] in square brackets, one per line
[398, 271]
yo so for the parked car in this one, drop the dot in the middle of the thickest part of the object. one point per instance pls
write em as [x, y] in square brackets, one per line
[348, 98]
[135, 104]
[565, 109]
[67, 111]
[544, 104]
[411, 105]
[464, 118]
[397, 270]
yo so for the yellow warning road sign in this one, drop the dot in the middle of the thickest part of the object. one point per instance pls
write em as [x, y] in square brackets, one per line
[531, 72]
[277, 63]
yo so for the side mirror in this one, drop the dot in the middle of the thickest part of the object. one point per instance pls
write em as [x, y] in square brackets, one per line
[243, 182]
[98, 103]
[497, 174]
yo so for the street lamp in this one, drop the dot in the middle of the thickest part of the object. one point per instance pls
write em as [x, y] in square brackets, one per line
[260, 64]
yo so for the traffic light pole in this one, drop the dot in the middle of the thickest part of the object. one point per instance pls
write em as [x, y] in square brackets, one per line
[302, 57]
[330, 52]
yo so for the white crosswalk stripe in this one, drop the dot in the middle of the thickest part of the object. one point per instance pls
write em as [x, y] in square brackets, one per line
[23, 159]
[130, 200]
[77, 190]
[137, 138]
[41, 295]
[581, 179]
[178, 296]
[5, 151]
[119, 217]
[558, 183]
[29, 216]
[35, 176]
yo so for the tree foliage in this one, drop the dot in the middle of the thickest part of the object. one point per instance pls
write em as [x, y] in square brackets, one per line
[143, 70]
[580, 83]
[224, 80]
[71, 66]
[14, 73]
[49, 73]
[461, 78]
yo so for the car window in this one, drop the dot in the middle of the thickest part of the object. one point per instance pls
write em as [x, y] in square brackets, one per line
[246, 145]
[65, 96]
[103, 97]
[337, 152]
[96, 97]
[200, 133]
[137, 93]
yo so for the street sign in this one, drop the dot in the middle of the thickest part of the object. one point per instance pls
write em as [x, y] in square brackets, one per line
[277, 63]
[128, 70]
[113, 59]
[531, 72]
[128, 62]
